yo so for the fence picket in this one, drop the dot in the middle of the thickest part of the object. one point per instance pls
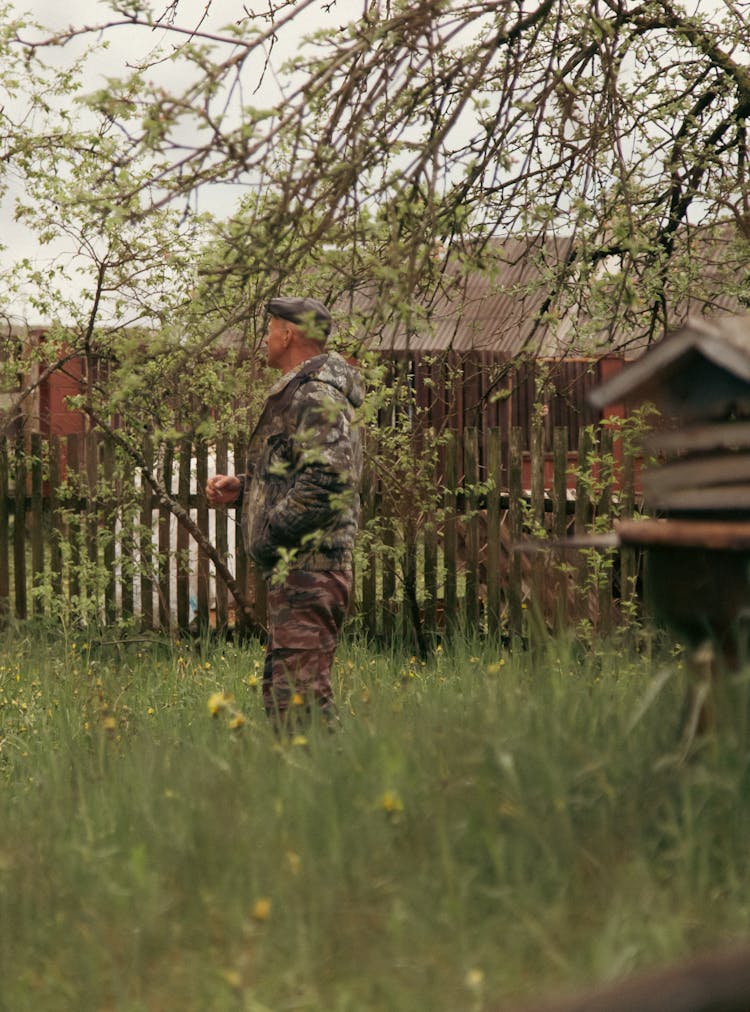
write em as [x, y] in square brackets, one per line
[443, 573]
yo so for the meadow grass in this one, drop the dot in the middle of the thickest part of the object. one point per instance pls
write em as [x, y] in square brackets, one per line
[482, 829]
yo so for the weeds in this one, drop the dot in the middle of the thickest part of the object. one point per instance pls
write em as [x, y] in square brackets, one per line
[482, 828]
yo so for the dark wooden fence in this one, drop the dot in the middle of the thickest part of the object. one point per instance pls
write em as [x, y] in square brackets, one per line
[83, 539]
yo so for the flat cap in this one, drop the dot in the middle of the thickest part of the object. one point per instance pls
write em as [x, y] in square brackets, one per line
[302, 312]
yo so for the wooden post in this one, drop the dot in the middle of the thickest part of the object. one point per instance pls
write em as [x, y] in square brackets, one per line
[37, 525]
[57, 526]
[515, 492]
[19, 528]
[201, 477]
[450, 553]
[471, 526]
[560, 521]
[109, 522]
[221, 541]
[146, 544]
[494, 478]
[164, 543]
[73, 457]
[183, 539]
[4, 531]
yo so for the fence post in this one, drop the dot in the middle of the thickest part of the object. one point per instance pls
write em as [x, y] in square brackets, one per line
[109, 518]
[450, 595]
[494, 478]
[471, 527]
[560, 521]
[222, 541]
[515, 492]
[4, 531]
[37, 525]
[56, 521]
[164, 541]
[19, 527]
[73, 477]
[183, 539]
[201, 477]
[146, 544]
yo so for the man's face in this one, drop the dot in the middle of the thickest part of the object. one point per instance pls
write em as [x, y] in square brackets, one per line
[276, 341]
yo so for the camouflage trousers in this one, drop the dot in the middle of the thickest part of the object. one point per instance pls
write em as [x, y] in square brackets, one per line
[305, 616]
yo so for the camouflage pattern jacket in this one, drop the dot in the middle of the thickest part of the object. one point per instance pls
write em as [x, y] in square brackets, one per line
[300, 496]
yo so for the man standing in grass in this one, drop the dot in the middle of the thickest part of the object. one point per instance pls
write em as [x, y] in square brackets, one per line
[300, 504]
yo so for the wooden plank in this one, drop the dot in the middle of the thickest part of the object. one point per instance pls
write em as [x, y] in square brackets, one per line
[4, 530]
[471, 527]
[37, 525]
[127, 542]
[242, 564]
[515, 493]
[717, 498]
[145, 546]
[109, 524]
[183, 538]
[203, 574]
[560, 519]
[221, 540]
[711, 534]
[19, 528]
[164, 543]
[694, 438]
[369, 570]
[73, 483]
[57, 523]
[696, 473]
[450, 546]
[604, 511]
[494, 582]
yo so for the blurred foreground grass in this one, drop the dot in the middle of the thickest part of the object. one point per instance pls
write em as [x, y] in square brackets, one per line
[482, 830]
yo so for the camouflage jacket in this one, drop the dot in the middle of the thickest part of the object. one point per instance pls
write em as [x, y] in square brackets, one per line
[301, 491]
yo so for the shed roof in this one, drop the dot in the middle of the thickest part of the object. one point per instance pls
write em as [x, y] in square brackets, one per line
[700, 371]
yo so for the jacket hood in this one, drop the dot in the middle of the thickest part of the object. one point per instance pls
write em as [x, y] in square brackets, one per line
[338, 373]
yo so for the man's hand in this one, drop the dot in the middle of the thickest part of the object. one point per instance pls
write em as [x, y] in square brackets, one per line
[223, 489]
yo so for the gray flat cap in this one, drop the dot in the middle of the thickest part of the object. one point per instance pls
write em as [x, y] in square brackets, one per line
[302, 312]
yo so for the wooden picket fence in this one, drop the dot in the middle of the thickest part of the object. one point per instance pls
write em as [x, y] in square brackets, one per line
[83, 539]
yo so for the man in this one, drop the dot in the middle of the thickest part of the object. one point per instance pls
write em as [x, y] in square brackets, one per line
[300, 504]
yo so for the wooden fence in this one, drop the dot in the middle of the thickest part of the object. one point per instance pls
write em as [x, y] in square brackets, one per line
[83, 539]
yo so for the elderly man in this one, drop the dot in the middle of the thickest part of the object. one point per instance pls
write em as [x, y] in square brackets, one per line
[300, 504]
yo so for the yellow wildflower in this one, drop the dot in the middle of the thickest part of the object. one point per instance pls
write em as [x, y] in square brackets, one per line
[391, 802]
[261, 909]
[237, 721]
[297, 699]
[218, 701]
[253, 681]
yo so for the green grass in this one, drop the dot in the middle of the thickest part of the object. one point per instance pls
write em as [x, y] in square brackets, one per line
[482, 830]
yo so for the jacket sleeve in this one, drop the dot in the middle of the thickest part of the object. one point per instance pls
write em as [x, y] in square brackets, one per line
[322, 465]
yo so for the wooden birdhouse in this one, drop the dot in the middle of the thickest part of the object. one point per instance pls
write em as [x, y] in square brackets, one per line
[699, 380]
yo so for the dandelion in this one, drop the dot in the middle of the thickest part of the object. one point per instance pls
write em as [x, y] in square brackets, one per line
[297, 699]
[151, 711]
[237, 721]
[391, 803]
[218, 702]
[233, 978]
[261, 909]
[109, 723]
[299, 740]
[474, 979]
[492, 669]
[253, 681]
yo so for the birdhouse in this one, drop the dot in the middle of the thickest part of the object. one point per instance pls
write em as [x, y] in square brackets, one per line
[699, 380]
[697, 548]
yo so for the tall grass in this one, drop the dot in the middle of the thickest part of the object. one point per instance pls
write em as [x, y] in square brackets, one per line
[481, 829]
